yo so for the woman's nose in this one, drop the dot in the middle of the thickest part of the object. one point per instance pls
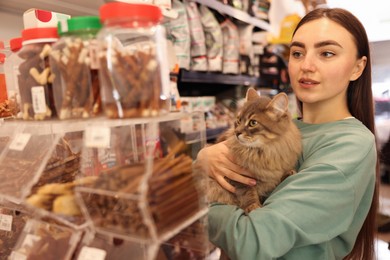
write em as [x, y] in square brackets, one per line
[308, 64]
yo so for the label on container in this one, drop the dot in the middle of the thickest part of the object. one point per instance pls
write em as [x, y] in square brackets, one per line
[38, 99]
[93, 54]
[97, 137]
[5, 222]
[20, 141]
[91, 253]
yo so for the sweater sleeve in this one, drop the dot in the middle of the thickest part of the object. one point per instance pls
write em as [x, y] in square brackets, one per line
[320, 203]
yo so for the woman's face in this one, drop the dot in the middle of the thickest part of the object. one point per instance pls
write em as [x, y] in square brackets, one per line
[323, 59]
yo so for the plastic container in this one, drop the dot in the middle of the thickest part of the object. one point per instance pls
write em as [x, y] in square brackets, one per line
[35, 79]
[40, 240]
[73, 61]
[134, 69]
[11, 68]
[3, 87]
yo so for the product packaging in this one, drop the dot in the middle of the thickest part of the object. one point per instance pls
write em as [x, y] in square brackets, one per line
[35, 77]
[73, 62]
[134, 69]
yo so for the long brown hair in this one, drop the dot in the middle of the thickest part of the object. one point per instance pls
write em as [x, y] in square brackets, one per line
[361, 106]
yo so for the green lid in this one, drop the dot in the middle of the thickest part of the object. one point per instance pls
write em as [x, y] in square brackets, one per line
[79, 23]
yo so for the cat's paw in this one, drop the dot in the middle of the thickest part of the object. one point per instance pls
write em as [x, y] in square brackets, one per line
[250, 208]
[291, 172]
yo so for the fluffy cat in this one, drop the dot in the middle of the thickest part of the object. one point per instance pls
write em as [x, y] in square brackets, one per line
[265, 141]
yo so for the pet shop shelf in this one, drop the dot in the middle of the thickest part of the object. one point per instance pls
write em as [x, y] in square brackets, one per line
[126, 180]
[186, 76]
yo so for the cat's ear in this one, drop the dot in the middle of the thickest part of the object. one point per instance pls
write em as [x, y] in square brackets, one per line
[251, 94]
[279, 104]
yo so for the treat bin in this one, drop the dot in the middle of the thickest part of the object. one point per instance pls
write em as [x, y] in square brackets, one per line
[102, 246]
[12, 220]
[134, 69]
[73, 62]
[27, 147]
[144, 190]
[35, 77]
[43, 240]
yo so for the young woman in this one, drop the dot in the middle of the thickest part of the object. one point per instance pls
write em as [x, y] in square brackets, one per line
[327, 210]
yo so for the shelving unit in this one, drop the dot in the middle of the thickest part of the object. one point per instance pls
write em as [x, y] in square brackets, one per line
[126, 164]
[233, 12]
[132, 165]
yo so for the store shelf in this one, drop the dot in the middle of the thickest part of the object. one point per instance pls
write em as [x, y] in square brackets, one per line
[238, 14]
[217, 78]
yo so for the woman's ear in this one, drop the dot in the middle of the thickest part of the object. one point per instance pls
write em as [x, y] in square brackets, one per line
[360, 65]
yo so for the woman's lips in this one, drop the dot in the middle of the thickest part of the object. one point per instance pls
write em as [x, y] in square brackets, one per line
[308, 83]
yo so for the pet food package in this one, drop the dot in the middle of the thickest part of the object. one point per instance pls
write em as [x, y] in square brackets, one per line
[35, 78]
[231, 42]
[134, 69]
[246, 49]
[178, 32]
[214, 40]
[198, 42]
[74, 64]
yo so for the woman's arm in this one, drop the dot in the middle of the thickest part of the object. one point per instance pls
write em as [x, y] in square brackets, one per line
[217, 161]
[318, 211]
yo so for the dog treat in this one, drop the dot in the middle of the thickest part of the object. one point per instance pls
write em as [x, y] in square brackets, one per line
[190, 243]
[41, 240]
[9, 108]
[171, 197]
[76, 84]
[34, 85]
[9, 234]
[132, 84]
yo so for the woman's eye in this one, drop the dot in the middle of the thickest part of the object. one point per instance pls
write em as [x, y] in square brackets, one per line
[252, 123]
[327, 54]
[296, 54]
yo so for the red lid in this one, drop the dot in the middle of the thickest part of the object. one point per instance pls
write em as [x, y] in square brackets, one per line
[1, 45]
[39, 33]
[2, 58]
[143, 12]
[15, 43]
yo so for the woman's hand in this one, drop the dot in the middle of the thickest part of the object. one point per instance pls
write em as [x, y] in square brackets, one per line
[217, 161]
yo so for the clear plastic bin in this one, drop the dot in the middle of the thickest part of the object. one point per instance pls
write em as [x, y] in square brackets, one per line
[144, 189]
[42, 240]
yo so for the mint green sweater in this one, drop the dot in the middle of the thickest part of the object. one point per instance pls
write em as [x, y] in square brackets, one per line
[314, 214]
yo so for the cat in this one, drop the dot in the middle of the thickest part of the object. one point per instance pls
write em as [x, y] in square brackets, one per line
[265, 141]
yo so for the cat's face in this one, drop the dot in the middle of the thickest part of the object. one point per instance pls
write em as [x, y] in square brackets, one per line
[261, 120]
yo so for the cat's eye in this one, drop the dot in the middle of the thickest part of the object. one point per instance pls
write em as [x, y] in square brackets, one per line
[252, 123]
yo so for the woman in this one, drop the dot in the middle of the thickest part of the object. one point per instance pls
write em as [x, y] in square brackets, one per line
[327, 210]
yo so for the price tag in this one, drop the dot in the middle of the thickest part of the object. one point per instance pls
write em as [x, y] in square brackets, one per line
[38, 99]
[19, 142]
[91, 253]
[97, 137]
[5, 222]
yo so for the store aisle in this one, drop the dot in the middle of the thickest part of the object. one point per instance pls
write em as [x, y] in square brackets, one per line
[383, 251]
